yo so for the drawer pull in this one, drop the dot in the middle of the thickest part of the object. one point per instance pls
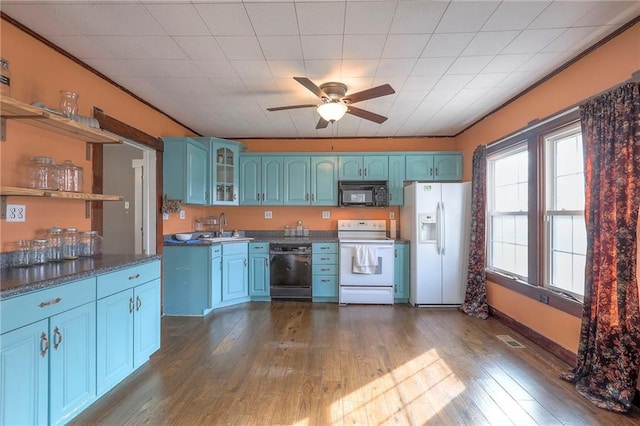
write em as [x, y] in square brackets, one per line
[324, 269]
[131, 305]
[57, 338]
[50, 302]
[324, 258]
[134, 277]
[44, 341]
[325, 281]
[138, 303]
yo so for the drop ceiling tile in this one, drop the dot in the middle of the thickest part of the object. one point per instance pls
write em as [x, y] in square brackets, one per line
[322, 70]
[252, 69]
[178, 84]
[281, 47]
[432, 66]
[200, 47]
[216, 69]
[610, 12]
[178, 19]
[179, 68]
[240, 47]
[417, 17]
[312, 18]
[273, 18]
[543, 62]
[411, 95]
[404, 45]
[562, 14]
[359, 68]
[286, 69]
[225, 19]
[322, 47]
[577, 39]
[486, 80]
[469, 64]
[368, 17]
[155, 47]
[514, 15]
[395, 67]
[489, 43]
[517, 79]
[363, 46]
[506, 63]
[50, 19]
[130, 19]
[446, 45]
[81, 46]
[532, 41]
[452, 82]
[420, 83]
[465, 16]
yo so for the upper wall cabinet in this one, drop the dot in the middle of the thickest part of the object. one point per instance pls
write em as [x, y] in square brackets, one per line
[370, 167]
[224, 171]
[436, 167]
[261, 180]
[396, 180]
[310, 180]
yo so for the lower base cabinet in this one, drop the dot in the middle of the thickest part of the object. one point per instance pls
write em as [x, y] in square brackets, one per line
[324, 264]
[402, 272]
[235, 274]
[259, 274]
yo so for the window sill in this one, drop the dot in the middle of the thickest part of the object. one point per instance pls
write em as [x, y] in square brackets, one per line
[539, 294]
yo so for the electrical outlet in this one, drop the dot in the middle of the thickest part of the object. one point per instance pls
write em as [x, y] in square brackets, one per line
[544, 298]
[183, 214]
[16, 213]
[165, 216]
[268, 214]
[126, 205]
[326, 214]
[392, 215]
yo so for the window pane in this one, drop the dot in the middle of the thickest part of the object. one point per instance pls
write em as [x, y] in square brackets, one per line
[521, 230]
[562, 268]
[579, 235]
[496, 226]
[561, 233]
[569, 192]
[509, 229]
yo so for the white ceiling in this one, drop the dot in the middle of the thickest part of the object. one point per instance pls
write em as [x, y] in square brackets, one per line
[216, 66]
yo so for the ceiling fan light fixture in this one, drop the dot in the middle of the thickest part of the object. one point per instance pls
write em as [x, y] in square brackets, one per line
[332, 111]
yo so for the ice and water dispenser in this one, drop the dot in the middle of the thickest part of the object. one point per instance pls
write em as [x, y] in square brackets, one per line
[427, 228]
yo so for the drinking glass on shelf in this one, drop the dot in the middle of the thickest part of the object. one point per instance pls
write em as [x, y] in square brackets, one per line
[68, 103]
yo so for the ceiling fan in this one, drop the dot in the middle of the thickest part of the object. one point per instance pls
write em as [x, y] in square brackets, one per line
[336, 102]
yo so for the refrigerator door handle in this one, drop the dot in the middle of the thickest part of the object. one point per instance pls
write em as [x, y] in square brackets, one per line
[443, 225]
[438, 228]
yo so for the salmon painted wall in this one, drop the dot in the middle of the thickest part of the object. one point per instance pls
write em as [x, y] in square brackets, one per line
[606, 67]
[38, 73]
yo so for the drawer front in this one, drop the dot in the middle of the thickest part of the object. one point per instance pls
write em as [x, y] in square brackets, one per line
[259, 247]
[324, 269]
[26, 309]
[127, 278]
[325, 286]
[325, 258]
[216, 251]
[325, 248]
[234, 248]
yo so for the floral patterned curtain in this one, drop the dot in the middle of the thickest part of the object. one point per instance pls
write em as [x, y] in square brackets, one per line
[475, 299]
[609, 351]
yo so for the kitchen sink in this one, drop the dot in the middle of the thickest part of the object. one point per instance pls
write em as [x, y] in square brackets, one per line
[226, 239]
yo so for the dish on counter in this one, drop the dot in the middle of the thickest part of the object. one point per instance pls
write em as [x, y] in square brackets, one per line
[183, 237]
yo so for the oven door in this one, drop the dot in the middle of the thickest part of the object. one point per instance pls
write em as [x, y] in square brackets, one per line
[383, 274]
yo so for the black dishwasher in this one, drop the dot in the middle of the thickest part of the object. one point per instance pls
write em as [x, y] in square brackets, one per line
[290, 270]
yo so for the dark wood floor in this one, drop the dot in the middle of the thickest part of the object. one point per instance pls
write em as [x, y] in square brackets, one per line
[300, 363]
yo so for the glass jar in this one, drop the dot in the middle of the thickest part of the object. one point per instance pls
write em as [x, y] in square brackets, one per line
[70, 243]
[90, 243]
[71, 177]
[22, 253]
[299, 229]
[42, 173]
[39, 251]
[305, 231]
[56, 252]
[5, 78]
[287, 231]
[68, 103]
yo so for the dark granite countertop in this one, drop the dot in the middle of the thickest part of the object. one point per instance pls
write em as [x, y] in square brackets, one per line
[16, 281]
[260, 237]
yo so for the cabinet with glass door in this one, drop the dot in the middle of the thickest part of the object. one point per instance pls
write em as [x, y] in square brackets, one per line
[224, 171]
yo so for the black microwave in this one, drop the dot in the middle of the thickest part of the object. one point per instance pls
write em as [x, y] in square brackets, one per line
[359, 193]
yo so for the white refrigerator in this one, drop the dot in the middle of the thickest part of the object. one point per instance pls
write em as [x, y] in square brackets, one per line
[435, 218]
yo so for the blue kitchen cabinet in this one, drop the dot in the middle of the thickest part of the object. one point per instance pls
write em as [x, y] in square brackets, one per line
[433, 167]
[185, 170]
[402, 272]
[396, 180]
[235, 274]
[259, 279]
[297, 181]
[324, 180]
[368, 167]
[47, 354]
[128, 322]
[215, 278]
[324, 287]
[261, 180]
[224, 156]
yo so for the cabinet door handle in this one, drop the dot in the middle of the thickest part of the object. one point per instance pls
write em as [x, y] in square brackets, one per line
[134, 277]
[306, 197]
[436, 171]
[262, 196]
[365, 171]
[57, 338]
[235, 196]
[312, 197]
[395, 252]
[245, 262]
[359, 172]
[138, 303]
[50, 302]
[390, 196]
[131, 305]
[266, 263]
[258, 196]
[44, 344]
[431, 171]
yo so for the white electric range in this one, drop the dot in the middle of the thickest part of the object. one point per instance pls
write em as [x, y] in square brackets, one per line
[367, 284]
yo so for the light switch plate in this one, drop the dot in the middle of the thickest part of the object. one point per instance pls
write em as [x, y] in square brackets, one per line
[326, 214]
[16, 213]
[126, 205]
[183, 214]
[268, 214]
[392, 215]
[165, 216]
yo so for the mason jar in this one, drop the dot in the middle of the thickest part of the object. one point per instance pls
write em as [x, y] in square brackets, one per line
[42, 173]
[39, 251]
[90, 243]
[71, 177]
[70, 243]
[22, 253]
[56, 252]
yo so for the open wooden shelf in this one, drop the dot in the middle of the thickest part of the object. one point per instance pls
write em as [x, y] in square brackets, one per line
[11, 108]
[28, 192]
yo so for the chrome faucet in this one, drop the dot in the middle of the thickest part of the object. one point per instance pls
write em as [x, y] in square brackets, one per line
[222, 220]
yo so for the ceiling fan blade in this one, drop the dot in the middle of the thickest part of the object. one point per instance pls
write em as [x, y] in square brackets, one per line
[322, 123]
[312, 87]
[292, 107]
[374, 92]
[367, 115]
